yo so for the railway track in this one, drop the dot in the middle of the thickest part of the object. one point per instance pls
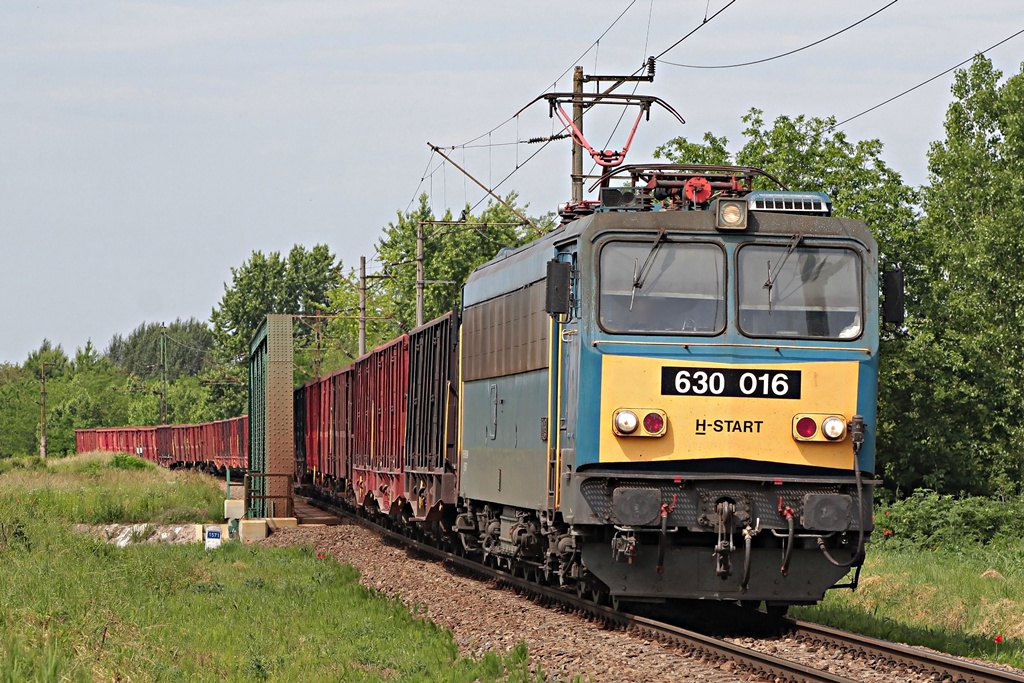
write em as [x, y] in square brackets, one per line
[896, 655]
[878, 654]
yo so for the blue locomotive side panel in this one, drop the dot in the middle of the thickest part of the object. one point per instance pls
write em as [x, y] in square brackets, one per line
[504, 458]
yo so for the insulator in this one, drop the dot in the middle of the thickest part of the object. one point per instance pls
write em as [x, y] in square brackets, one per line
[650, 67]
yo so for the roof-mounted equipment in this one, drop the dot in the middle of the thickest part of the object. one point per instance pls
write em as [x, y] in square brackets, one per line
[607, 158]
[807, 203]
[730, 214]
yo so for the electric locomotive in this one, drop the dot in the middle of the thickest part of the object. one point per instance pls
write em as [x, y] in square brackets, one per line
[672, 395]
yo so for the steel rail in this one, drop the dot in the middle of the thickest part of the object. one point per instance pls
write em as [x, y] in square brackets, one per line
[942, 666]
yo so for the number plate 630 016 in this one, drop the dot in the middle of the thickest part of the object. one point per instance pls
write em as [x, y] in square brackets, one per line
[731, 382]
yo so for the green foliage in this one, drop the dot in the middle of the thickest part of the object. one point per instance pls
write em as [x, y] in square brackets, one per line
[76, 608]
[681, 151]
[123, 461]
[19, 417]
[963, 359]
[299, 284]
[450, 253]
[187, 343]
[929, 521]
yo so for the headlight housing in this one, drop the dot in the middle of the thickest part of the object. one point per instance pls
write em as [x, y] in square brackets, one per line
[827, 427]
[626, 422]
[833, 428]
[731, 214]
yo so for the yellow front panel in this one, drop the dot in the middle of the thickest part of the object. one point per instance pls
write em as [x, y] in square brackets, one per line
[709, 426]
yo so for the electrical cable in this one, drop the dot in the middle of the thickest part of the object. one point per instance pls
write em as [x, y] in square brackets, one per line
[492, 130]
[702, 25]
[909, 90]
[562, 75]
[422, 178]
[502, 181]
[784, 54]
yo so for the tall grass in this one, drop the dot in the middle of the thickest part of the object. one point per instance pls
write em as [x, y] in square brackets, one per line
[103, 489]
[943, 572]
[77, 609]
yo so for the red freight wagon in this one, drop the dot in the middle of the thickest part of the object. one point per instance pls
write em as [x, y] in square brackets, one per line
[212, 445]
[380, 387]
[118, 440]
[322, 432]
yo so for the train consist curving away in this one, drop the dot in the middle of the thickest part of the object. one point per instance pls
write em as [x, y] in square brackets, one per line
[671, 396]
[212, 446]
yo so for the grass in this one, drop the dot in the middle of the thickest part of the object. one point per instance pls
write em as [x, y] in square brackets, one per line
[953, 601]
[76, 609]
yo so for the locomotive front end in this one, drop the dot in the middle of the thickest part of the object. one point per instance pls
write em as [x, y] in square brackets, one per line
[722, 442]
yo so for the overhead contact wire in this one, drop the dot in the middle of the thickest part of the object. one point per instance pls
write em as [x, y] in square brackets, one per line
[926, 82]
[784, 54]
[702, 25]
[562, 75]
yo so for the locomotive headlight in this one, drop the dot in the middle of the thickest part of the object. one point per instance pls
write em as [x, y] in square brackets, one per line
[822, 427]
[833, 428]
[625, 422]
[731, 214]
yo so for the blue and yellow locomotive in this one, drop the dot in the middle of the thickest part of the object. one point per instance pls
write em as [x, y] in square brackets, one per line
[673, 394]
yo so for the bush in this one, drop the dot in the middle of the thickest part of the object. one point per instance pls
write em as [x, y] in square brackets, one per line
[123, 461]
[929, 521]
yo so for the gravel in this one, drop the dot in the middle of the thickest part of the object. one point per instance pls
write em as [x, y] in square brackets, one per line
[563, 645]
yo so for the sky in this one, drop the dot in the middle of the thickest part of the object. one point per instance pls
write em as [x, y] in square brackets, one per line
[146, 148]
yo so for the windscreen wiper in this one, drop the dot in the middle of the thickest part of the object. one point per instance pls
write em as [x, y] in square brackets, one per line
[640, 274]
[773, 275]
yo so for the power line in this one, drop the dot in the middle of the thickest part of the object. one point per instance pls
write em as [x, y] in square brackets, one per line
[784, 54]
[561, 75]
[909, 90]
[655, 59]
[506, 121]
[699, 27]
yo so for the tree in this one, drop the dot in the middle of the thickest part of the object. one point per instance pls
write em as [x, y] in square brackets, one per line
[450, 253]
[961, 385]
[188, 344]
[19, 412]
[299, 284]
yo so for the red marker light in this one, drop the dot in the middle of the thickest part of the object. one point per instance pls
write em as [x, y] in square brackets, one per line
[806, 427]
[653, 422]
